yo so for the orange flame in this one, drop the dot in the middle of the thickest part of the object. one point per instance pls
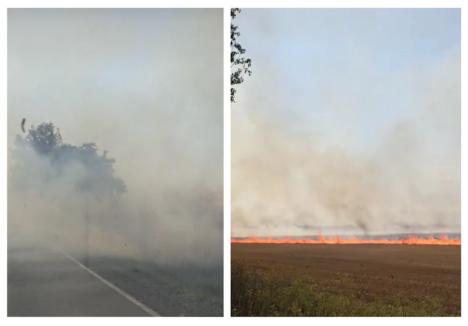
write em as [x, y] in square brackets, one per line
[443, 240]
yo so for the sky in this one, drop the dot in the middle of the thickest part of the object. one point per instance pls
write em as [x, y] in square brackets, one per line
[350, 122]
[146, 86]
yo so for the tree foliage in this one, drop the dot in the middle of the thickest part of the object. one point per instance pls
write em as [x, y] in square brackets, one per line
[240, 64]
[96, 173]
[44, 139]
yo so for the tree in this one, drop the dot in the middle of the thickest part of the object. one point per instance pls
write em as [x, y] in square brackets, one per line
[240, 65]
[98, 178]
[44, 139]
[78, 171]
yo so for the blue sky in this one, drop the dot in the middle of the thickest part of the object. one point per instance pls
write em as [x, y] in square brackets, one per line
[372, 54]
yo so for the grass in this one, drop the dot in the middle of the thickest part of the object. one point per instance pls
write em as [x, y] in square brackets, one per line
[171, 290]
[276, 292]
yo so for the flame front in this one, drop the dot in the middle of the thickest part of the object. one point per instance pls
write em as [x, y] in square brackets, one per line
[443, 240]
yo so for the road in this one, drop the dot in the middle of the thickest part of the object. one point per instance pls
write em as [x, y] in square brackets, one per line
[43, 281]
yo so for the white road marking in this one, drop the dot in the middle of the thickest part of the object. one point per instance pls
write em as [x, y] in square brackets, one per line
[143, 307]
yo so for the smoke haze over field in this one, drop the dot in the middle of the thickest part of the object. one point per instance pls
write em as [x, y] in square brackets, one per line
[145, 86]
[350, 123]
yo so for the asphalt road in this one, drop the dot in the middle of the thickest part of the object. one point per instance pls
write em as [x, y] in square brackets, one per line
[43, 281]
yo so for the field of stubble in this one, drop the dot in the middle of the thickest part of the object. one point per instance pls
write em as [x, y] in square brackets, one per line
[345, 280]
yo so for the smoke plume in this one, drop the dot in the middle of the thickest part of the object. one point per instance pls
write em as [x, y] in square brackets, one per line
[333, 156]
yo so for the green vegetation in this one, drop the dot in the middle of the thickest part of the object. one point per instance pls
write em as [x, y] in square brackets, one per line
[240, 64]
[275, 292]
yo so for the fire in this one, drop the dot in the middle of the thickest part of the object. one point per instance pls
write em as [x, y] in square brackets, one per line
[442, 240]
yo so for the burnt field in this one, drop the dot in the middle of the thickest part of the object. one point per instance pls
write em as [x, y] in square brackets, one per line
[345, 280]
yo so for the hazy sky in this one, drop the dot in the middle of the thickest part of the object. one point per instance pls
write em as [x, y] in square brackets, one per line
[145, 85]
[346, 99]
[102, 74]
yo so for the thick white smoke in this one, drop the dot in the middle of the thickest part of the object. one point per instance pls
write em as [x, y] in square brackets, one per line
[144, 85]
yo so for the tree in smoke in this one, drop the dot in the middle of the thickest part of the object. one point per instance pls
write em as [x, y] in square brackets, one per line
[77, 171]
[98, 178]
[240, 65]
[44, 139]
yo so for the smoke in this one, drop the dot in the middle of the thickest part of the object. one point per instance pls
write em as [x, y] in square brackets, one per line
[145, 86]
[329, 157]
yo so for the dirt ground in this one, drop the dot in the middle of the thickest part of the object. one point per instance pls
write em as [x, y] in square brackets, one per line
[405, 274]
